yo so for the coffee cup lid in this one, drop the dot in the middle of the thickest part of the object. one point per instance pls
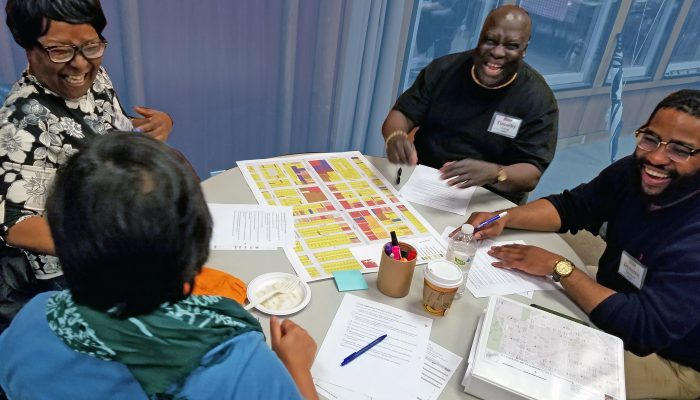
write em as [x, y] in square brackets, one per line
[444, 274]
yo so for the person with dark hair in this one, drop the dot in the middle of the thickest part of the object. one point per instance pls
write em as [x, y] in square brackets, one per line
[484, 116]
[646, 287]
[132, 229]
[63, 99]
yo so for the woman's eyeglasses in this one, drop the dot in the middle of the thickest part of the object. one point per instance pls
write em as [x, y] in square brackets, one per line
[66, 53]
[649, 141]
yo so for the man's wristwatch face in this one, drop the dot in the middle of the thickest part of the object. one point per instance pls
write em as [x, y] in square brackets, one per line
[502, 175]
[562, 269]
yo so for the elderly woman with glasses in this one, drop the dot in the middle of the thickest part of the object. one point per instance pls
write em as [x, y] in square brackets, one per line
[62, 100]
[132, 230]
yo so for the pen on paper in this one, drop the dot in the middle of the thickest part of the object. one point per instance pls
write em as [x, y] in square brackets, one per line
[360, 352]
[398, 176]
[491, 220]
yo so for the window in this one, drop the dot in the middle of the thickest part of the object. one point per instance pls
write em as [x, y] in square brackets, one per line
[568, 38]
[644, 36]
[443, 27]
[685, 59]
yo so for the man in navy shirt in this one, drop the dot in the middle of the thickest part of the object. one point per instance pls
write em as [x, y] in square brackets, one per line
[647, 289]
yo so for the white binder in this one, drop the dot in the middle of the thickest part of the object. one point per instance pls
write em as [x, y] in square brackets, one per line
[521, 352]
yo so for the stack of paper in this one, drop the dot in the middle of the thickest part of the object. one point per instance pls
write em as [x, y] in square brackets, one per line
[406, 365]
[520, 352]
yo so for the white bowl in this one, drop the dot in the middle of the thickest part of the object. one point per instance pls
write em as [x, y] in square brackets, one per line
[261, 284]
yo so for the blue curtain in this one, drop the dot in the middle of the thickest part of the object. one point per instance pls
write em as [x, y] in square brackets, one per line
[253, 79]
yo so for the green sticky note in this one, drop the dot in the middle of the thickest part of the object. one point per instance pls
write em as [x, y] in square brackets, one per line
[349, 280]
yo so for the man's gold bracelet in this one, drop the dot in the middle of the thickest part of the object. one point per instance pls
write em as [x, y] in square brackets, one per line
[392, 135]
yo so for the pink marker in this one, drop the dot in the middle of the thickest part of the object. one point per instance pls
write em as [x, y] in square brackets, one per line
[397, 252]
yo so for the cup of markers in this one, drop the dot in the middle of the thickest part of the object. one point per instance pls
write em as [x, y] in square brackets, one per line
[396, 266]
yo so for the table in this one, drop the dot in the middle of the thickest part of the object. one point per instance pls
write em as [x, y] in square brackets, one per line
[454, 332]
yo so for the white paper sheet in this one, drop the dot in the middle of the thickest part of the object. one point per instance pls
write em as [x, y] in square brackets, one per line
[427, 188]
[428, 249]
[486, 280]
[251, 227]
[391, 369]
[438, 368]
[445, 236]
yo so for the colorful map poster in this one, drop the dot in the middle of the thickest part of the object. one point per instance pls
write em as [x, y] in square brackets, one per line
[339, 200]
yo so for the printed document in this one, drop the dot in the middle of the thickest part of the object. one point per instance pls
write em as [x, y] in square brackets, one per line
[425, 187]
[438, 368]
[390, 370]
[486, 280]
[428, 249]
[251, 227]
[521, 352]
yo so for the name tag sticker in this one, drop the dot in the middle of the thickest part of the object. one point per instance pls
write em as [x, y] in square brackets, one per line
[505, 125]
[632, 270]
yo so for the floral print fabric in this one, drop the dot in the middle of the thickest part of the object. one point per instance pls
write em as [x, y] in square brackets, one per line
[39, 131]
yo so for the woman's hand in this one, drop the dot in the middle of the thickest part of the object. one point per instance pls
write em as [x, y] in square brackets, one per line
[154, 123]
[297, 350]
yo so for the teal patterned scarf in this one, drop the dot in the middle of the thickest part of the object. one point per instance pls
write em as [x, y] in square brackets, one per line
[160, 348]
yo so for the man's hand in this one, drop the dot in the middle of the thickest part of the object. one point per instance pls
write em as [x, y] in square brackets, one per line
[154, 123]
[491, 230]
[400, 150]
[531, 259]
[297, 350]
[468, 172]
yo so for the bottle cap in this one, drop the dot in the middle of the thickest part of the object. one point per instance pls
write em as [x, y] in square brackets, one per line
[467, 229]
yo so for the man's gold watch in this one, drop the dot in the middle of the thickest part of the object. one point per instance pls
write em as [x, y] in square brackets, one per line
[562, 269]
[502, 175]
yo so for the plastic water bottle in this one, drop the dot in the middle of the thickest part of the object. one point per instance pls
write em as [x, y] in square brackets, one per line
[461, 250]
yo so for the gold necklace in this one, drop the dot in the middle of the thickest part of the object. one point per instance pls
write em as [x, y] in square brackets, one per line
[515, 75]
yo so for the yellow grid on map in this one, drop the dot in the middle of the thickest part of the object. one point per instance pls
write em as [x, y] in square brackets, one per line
[344, 265]
[332, 255]
[289, 167]
[320, 230]
[342, 167]
[256, 178]
[412, 218]
[363, 167]
[330, 241]
[322, 237]
[305, 260]
[274, 175]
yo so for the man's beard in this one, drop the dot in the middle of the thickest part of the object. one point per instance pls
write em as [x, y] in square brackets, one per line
[680, 187]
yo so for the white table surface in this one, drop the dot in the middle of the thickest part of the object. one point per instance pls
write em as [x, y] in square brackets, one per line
[454, 331]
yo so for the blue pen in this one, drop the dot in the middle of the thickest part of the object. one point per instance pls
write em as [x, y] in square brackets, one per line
[362, 350]
[491, 220]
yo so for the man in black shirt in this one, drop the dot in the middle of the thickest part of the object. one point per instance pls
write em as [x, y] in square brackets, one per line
[486, 118]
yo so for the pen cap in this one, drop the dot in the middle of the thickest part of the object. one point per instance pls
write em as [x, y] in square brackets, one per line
[395, 276]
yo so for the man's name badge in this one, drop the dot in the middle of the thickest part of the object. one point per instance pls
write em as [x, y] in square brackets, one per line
[505, 125]
[632, 270]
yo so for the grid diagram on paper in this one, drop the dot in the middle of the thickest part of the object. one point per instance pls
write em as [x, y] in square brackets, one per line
[339, 200]
[545, 345]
